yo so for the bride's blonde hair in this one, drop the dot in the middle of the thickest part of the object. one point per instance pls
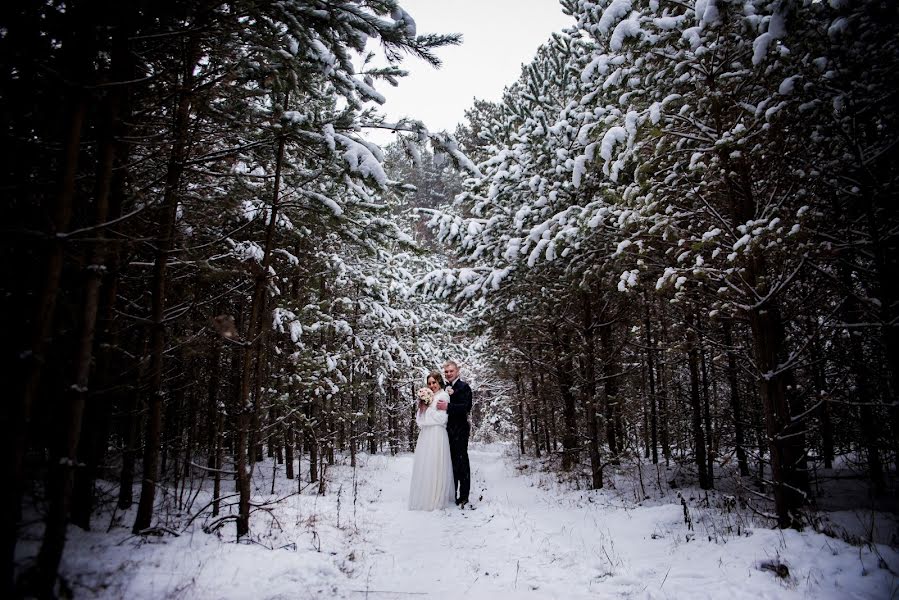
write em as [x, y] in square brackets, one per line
[436, 376]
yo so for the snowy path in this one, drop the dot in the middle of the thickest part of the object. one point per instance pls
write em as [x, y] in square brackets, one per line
[500, 549]
[527, 538]
[526, 541]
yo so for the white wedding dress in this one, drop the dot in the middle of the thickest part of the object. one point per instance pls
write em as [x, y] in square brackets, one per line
[432, 486]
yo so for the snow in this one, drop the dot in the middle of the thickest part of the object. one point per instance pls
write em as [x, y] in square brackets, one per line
[447, 143]
[360, 159]
[295, 116]
[760, 47]
[580, 168]
[787, 85]
[630, 27]
[707, 12]
[612, 14]
[693, 37]
[711, 234]
[318, 51]
[404, 20]
[528, 537]
[368, 91]
[667, 23]
[621, 246]
[627, 280]
[292, 45]
[247, 250]
[839, 25]
[333, 206]
[613, 136]
[599, 64]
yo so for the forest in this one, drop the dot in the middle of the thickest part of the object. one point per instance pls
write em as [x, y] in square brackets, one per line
[671, 244]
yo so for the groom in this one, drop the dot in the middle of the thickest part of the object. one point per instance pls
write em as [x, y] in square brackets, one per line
[457, 428]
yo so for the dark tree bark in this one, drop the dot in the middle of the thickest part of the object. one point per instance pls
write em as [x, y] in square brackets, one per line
[536, 406]
[546, 416]
[60, 209]
[130, 427]
[247, 410]
[663, 395]
[611, 368]
[789, 488]
[735, 403]
[589, 391]
[62, 470]
[823, 412]
[103, 273]
[706, 406]
[288, 449]
[862, 395]
[311, 441]
[650, 359]
[166, 226]
[699, 441]
[370, 412]
[564, 369]
[212, 400]
[519, 391]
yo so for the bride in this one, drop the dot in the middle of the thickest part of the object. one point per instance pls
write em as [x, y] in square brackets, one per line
[432, 472]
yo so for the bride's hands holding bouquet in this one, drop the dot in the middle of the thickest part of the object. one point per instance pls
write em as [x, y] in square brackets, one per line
[425, 397]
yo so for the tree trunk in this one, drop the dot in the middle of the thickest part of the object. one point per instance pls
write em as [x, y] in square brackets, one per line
[881, 230]
[706, 408]
[166, 227]
[696, 405]
[536, 412]
[589, 391]
[219, 461]
[519, 392]
[32, 370]
[189, 428]
[62, 468]
[288, 449]
[663, 396]
[546, 416]
[212, 399]
[246, 410]
[823, 411]
[261, 360]
[789, 491]
[110, 192]
[370, 411]
[610, 377]
[650, 359]
[312, 442]
[130, 431]
[862, 394]
[564, 369]
[735, 404]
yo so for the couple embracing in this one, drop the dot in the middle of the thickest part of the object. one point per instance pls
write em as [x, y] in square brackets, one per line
[440, 472]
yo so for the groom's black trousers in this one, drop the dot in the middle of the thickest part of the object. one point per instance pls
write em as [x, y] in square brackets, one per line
[458, 441]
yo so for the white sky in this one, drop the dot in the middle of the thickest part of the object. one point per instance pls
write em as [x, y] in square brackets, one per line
[497, 37]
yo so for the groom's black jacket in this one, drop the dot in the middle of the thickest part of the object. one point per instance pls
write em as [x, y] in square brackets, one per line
[460, 405]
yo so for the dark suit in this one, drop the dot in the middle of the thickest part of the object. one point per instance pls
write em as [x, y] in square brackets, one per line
[458, 429]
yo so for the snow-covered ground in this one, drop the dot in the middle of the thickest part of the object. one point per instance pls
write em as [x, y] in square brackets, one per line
[527, 537]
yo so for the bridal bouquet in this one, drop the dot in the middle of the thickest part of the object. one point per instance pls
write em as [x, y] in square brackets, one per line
[425, 395]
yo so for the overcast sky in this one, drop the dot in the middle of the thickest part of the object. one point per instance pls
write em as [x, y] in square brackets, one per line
[498, 36]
